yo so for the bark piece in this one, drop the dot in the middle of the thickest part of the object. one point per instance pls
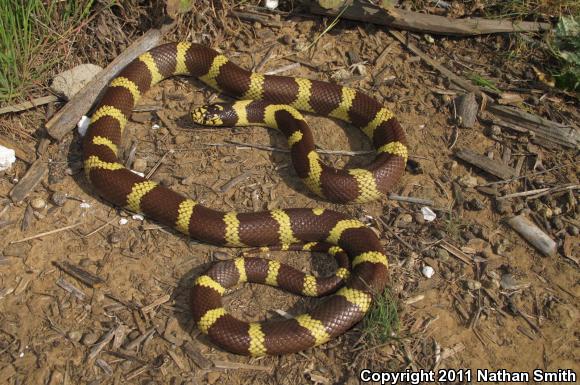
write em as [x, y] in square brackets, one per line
[467, 108]
[29, 181]
[493, 167]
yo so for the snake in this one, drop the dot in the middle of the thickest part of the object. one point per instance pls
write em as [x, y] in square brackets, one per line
[274, 101]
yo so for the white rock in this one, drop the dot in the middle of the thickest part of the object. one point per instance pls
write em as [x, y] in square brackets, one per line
[271, 4]
[85, 205]
[7, 158]
[428, 271]
[69, 82]
[138, 217]
[83, 125]
[428, 214]
[123, 221]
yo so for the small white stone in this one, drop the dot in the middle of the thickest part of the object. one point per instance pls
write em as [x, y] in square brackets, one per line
[155, 127]
[138, 217]
[38, 203]
[83, 125]
[85, 205]
[271, 4]
[428, 214]
[142, 175]
[123, 221]
[7, 158]
[428, 271]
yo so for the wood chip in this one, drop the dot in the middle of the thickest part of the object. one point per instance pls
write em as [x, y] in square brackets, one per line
[467, 108]
[196, 356]
[29, 181]
[159, 301]
[549, 130]
[79, 273]
[456, 252]
[493, 167]
[96, 349]
[76, 292]
[178, 360]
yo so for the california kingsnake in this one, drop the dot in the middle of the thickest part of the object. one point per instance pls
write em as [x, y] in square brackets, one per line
[349, 240]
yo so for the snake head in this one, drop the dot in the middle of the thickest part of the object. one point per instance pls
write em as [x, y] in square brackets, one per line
[209, 115]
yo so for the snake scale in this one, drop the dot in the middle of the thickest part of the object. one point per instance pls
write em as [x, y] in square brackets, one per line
[272, 101]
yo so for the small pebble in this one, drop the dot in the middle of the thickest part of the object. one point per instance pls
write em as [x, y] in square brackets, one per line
[38, 203]
[502, 207]
[442, 254]
[89, 339]
[557, 223]
[518, 207]
[428, 271]
[213, 377]
[139, 165]
[508, 282]
[546, 212]
[123, 221]
[573, 230]
[474, 204]
[406, 218]
[114, 238]
[501, 246]
[473, 284]
[58, 198]
[468, 181]
[418, 217]
[75, 335]
[287, 39]
[495, 130]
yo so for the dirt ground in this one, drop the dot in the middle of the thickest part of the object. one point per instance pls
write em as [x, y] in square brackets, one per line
[506, 307]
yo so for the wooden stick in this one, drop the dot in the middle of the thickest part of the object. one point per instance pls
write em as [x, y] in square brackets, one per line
[417, 201]
[29, 104]
[459, 81]
[47, 233]
[532, 233]
[423, 23]
[67, 118]
[539, 192]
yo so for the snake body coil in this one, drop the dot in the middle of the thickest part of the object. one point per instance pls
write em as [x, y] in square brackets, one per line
[349, 240]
